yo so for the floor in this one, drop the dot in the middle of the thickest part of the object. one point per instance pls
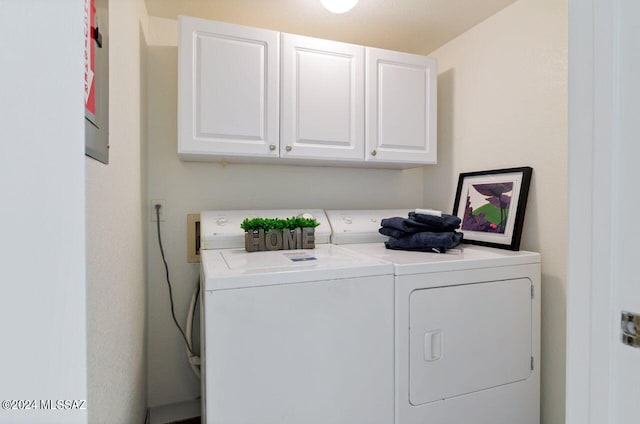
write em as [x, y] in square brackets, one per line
[195, 420]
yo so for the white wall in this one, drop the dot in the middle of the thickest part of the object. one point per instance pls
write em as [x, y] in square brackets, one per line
[502, 102]
[116, 243]
[42, 225]
[191, 187]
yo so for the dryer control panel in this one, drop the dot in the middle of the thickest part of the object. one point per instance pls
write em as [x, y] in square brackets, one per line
[360, 226]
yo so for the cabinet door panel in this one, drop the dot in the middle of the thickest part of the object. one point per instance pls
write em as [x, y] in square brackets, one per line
[401, 107]
[230, 93]
[229, 89]
[322, 99]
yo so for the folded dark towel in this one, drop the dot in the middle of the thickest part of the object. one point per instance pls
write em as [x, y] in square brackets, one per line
[437, 223]
[417, 223]
[425, 242]
[392, 232]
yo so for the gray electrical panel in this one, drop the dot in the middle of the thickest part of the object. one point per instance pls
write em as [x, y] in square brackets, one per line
[97, 80]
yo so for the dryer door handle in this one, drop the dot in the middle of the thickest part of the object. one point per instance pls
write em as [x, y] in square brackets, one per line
[432, 345]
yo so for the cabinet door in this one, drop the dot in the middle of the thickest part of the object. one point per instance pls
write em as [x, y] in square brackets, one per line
[228, 90]
[322, 99]
[401, 107]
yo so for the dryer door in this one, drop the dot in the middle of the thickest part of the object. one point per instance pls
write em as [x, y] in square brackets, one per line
[468, 338]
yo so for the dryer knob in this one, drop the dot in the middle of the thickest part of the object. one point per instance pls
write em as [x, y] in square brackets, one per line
[222, 221]
[347, 220]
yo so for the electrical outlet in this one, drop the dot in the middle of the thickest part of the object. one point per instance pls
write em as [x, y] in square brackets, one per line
[152, 210]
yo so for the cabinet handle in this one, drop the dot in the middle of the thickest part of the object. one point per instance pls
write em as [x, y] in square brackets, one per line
[288, 148]
[272, 147]
[374, 152]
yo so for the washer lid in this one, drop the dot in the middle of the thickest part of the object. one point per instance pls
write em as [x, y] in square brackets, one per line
[236, 268]
[464, 257]
[221, 229]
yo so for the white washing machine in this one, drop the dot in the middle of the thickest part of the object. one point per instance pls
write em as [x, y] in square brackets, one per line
[467, 328]
[293, 337]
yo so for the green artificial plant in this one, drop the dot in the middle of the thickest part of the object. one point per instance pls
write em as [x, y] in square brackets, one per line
[268, 224]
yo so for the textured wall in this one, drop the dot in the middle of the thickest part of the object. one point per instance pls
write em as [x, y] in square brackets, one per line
[502, 102]
[116, 255]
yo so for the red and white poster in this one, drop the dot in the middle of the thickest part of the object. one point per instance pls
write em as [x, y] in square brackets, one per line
[89, 60]
[96, 78]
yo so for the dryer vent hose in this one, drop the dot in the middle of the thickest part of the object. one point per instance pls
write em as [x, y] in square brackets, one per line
[194, 360]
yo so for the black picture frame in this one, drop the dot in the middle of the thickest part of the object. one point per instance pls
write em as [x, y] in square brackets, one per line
[501, 194]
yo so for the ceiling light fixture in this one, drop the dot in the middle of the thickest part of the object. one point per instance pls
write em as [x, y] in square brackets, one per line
[338, 6]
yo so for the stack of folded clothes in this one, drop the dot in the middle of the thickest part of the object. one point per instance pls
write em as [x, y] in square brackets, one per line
[421, 232]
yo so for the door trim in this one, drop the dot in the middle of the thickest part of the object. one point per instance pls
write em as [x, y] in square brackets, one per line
[589, 284]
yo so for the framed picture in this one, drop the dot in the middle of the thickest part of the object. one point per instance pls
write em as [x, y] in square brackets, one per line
[491, 206]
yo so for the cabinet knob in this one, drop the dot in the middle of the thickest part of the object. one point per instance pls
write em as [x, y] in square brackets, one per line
[374, 152]
[288, 148]
[272, 147]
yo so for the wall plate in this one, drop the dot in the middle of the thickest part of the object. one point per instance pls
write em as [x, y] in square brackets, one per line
[193, 238]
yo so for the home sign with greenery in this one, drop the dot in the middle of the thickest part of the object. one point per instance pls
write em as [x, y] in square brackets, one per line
[279, 234]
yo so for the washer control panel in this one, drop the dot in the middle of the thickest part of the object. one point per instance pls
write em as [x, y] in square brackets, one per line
[221, 229]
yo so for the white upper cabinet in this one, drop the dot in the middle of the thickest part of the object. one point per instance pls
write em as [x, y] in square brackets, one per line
[252, 95]
[228, 102]
[322, 99]
[401, 107]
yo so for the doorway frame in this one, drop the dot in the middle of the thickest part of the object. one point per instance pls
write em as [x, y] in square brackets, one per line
[590, 318]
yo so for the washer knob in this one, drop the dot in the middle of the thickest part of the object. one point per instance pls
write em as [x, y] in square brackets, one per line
[222, 221]
[347, 220]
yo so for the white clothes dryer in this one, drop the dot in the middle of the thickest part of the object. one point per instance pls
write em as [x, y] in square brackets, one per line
[467, 327]
[297, 336]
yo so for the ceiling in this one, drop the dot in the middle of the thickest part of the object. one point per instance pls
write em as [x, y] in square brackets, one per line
[415, 26]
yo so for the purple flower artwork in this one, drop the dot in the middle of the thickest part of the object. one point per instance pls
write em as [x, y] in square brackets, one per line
[487, 207]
